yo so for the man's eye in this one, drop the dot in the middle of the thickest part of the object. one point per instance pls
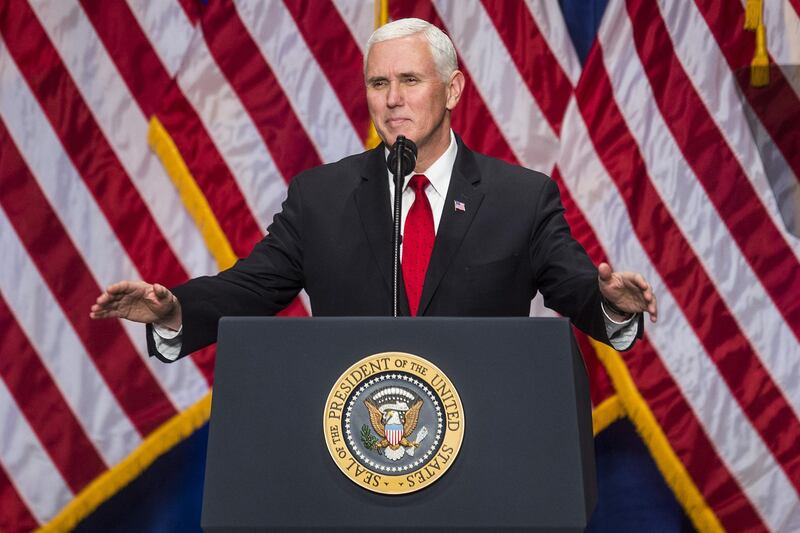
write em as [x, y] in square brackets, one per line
[410, 80]
[378, 84]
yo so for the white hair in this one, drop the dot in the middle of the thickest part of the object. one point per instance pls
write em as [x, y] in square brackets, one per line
[440, 45]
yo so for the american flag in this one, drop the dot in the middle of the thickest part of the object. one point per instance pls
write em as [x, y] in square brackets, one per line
[154, 140]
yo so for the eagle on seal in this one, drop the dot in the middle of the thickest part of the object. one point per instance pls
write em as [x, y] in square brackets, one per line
[385, 423]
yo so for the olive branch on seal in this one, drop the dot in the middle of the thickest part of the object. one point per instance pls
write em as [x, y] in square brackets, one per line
[368, 438]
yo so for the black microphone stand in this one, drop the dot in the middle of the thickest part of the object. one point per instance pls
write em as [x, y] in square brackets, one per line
[401, 162]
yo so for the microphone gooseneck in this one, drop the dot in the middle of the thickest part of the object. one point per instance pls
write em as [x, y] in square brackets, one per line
[402, 161]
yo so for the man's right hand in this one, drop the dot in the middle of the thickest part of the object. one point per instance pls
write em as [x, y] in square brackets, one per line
[140, 302]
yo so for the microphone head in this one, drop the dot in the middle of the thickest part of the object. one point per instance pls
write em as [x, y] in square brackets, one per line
[406, 150]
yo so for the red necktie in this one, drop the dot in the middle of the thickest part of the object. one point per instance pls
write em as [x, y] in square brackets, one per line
[418, 237]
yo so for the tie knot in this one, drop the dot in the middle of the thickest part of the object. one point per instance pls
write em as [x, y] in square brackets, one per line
[418, 183]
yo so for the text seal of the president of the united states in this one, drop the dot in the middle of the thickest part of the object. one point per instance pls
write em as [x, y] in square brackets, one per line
[393, 423]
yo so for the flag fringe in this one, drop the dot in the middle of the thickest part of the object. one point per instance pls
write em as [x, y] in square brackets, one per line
[160, 441]
[609, 411]
[191, 195]
[666, 460]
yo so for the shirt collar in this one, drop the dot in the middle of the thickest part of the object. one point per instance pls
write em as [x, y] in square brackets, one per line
[440, 171]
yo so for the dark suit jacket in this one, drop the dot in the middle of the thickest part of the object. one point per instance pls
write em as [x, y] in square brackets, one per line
[333, 238]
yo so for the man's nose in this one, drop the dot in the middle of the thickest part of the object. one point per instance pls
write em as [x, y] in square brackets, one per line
[394, 96]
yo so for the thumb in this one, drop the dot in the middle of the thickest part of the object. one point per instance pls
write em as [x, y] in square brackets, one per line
[604, 272]
[160, 291]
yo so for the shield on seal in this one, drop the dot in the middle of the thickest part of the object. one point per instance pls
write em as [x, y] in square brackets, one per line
[394, 433]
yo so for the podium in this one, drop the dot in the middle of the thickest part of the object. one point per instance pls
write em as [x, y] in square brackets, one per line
[527, 457]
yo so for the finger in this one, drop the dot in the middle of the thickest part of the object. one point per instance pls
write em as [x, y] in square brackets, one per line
[102, 313]
[652, 308]
[647, 295]
[159, 291]
[119, 287]
[604, 272]
[162, 293]
[641, 282]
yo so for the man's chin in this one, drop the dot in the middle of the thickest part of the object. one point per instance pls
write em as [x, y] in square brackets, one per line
[392, 138]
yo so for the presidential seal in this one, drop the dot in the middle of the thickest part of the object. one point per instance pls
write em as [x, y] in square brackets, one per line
[393, 423]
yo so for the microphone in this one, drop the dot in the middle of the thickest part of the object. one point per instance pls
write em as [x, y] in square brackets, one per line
[402, 161]
[402, 157]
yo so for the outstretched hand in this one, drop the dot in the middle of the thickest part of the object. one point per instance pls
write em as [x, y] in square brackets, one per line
[139, 301]
[627, 291]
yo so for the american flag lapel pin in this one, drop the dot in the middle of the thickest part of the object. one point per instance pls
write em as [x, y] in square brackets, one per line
[460, 206]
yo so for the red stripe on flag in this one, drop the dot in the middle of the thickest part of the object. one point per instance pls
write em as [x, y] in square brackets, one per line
[470, 118]
[88, 149]
[674, 415]
[261, 95]
[192, 9]
[40, 400]
[15, 516]
[337, 53]
[73, 286]
[698, 136]
[749, 382]
[796, 6]
[133, 55]
[210, 172]
[532, 57]
[777, 105]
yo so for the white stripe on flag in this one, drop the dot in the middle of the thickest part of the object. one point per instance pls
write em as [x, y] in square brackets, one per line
[62, 352]
[550, 22]
[36, 478]
[782, 25]
[168, 29]
[502, 88]
[359, 20]
[233, 132]
[313, 99]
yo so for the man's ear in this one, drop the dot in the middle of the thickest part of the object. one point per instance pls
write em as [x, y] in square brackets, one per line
[454, 89]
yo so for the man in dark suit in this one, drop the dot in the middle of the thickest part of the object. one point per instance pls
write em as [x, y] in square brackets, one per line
[481, 237]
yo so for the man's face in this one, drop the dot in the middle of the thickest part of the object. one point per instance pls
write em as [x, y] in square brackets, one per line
[406, 95]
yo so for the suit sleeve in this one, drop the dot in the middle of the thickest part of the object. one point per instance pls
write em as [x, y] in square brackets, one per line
[261, 284]
[565, 275]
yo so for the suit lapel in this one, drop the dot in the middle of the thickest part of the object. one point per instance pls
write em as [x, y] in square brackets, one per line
[373, 203]
[455, 222]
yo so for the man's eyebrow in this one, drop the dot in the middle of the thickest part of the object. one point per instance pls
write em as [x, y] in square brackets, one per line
[402, 75]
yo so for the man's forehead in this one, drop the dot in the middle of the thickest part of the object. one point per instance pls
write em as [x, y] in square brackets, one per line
[410, 54]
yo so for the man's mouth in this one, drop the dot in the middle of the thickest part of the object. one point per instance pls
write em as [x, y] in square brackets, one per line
[394, 122]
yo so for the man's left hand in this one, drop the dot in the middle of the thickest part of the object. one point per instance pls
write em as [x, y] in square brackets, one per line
[627, 291]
